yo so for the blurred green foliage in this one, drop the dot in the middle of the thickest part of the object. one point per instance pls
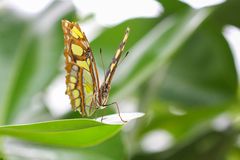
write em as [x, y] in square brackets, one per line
[178, 60]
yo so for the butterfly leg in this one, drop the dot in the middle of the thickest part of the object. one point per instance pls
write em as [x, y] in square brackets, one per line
[118, 110]
[102, 116]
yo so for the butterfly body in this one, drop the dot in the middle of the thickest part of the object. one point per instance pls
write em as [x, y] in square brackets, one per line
[83, 87]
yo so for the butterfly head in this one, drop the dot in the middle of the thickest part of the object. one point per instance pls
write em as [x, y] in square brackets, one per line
[104, 93]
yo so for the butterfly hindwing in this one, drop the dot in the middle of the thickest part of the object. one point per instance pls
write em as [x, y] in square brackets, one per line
[82, 78]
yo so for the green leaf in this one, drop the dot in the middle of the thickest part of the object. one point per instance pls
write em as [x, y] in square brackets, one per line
[111, 149]
[226, 13]
[173, 6]
[66, 133]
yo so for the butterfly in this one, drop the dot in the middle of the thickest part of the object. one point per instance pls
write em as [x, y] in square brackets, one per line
[82, 81]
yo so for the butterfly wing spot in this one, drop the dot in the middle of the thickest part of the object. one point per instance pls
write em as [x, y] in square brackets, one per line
[73, 73]
[65, 24]
[88, 61]
[71, 86]
[77, 50]
[112, 66]
[110, 71]
[125, 39]
[76, 103]
[73, 79]
[83, 64]
[87, 78]
[87, 82]
[75, 93]
[89, 88]
[66, 37]
[76, 33]
[75, 68]
[117, 53]
[88, 92]
[65, 30]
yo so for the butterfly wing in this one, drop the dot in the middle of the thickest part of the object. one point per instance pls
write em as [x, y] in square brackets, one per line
[106, 85]
[82, 76]
[112, 67]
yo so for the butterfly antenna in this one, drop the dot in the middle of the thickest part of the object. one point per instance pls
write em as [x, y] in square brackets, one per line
[102, 62]
[124, 57]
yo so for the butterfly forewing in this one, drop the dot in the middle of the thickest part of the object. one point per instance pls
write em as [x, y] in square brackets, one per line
[112, 67]
[106, 85]
[82, 78]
